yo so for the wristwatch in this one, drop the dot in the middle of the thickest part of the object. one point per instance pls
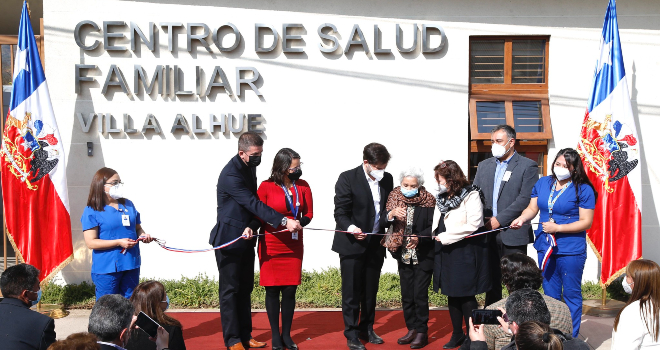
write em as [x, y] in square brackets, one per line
[284, 220]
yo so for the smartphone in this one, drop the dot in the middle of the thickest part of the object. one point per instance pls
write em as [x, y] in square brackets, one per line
[147, 324]
[481, 316]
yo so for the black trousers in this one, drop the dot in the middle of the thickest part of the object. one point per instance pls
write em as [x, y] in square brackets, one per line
[497, 249]
[236, 284]
[415, 296]
[360, 276]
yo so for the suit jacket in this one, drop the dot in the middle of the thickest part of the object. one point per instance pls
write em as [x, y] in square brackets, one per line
[422, 224]
[514, 195]
[22, 328]
[354, 205]
[238, 204]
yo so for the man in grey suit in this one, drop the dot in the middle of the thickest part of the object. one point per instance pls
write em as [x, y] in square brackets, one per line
[506, 180]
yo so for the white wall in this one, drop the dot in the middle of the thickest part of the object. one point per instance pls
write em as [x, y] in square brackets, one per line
[326, 108]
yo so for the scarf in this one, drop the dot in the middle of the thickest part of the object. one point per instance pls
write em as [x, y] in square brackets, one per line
[446, 204]
[394, 238]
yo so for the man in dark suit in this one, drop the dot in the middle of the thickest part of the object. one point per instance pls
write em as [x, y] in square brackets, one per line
[112, 320]
[20, 327]
[506, 181]
[238, 204]
[360, 198]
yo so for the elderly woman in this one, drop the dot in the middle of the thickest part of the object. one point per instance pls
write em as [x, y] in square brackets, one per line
[461, 262]
[410, 217]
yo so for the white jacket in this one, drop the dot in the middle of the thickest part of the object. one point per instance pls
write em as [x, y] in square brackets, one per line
[632, 332]
[462, 221]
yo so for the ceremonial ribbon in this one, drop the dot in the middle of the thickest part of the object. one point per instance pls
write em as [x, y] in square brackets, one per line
[549, 237]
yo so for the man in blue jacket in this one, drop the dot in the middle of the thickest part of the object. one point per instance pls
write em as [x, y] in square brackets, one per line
[238, 204]
[20, 327]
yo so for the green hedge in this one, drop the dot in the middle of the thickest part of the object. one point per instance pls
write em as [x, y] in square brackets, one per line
[319, 289]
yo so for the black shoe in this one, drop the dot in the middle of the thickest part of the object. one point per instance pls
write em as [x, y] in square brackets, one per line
[277, 348]
[421, 340]
[455, 341]
[408, 338]
[466, 345]
[371, 337]
[354, 344]
[291, 347]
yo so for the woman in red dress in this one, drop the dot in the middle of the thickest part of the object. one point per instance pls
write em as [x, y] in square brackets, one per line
[280, 254]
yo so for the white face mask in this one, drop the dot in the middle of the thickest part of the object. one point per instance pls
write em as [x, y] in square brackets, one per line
[626, 287]
[498, 150]
[562, 173]
[116, 191]
[442, 189]
[376, 174]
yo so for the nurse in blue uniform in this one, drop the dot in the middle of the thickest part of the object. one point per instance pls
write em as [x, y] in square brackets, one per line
[566, 201]
[111, 224]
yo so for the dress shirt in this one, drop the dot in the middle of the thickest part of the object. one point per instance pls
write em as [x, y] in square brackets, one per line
[375, 193]
[111, 344]
[499, 175]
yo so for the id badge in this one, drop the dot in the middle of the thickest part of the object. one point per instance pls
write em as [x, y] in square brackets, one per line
[507, 176]
[294, 235]
[125, 220]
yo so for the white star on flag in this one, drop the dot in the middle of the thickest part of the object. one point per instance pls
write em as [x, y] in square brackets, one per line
[605, 55]
[20, 63]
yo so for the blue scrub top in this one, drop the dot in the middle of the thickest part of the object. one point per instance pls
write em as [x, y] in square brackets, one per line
[565, 211]
[109, 224]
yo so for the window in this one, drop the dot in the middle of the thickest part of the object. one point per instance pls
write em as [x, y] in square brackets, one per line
[509, 85]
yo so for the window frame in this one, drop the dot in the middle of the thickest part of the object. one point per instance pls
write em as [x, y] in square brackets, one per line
[508, 91]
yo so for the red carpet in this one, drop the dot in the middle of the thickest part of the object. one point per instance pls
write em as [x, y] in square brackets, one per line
[311, 329]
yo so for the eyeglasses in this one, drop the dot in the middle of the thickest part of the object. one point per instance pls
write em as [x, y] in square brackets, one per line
[293, 170]
[115, 183]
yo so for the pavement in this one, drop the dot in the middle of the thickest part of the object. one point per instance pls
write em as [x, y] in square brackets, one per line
[596, 331]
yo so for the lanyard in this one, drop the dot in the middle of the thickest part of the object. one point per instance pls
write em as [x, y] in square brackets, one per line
[296, 207]
[551, 201]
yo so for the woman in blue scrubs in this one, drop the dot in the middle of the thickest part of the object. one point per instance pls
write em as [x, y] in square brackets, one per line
[111, 224]
[566, 201]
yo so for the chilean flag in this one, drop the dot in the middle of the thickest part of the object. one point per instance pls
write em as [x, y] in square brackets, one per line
[610, 152]
[32, 163]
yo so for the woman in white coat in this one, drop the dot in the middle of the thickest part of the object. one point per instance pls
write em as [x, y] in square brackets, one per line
[636, 325]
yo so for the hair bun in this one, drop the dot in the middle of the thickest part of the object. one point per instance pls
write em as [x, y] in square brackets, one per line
[546, 337]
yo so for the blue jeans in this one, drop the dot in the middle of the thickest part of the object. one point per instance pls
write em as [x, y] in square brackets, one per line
[122, 282]
[566, 271]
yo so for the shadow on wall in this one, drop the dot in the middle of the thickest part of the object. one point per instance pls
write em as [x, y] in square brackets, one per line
[84, 167]
[584, 14]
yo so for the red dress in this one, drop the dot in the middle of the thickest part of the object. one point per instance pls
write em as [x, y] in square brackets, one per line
[280, 256]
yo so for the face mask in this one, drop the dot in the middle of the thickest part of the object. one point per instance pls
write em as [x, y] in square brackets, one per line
[116, 191]
[254, 161]
[442, 189]
[498, 150]
[562, 173]
[35, 302]
[295, 175]
[409, 193]
[626, 287]
[377, 174]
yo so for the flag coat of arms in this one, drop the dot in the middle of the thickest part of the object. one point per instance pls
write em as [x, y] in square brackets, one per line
[34, 190]
[610, 151]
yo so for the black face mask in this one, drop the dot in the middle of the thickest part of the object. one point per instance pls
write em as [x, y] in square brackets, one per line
[254, 161]
[295, 175]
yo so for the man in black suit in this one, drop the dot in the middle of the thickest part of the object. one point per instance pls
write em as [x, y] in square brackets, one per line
[238, 204]
[506, 181]
[112, 320]
[360, 198]
[20, 327]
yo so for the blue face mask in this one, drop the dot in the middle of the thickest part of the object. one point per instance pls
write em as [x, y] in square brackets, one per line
[409, 193]
[35, 302]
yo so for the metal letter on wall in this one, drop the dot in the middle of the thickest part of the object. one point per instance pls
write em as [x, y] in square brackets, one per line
[128, 124]
[76, 35]
[121, 82]
[199, 37]
[195, 129]
[224, 82]
[399, 39]
[151, 123]
[217, 39]
[85, 124]
[135, 29]
[140, 75]
[213, 122]
[249, 81]
[361, 40]
[426, 40]
[324, 36]
[178, 84]
[286, 37]
[276, 37]
[230, 121]
[170, 33]
[378, 41]
[109, 122]
[180, 122]
[78, 78]
[253, 123]
[107, 35]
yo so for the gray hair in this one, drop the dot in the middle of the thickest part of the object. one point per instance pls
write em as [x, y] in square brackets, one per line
[526, 305]
[111, 314]
[412, 172]
[510, 132]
